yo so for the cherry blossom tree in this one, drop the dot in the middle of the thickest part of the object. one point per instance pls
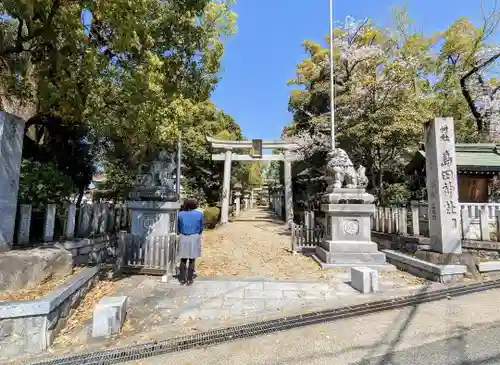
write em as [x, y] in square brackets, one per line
[382, 97]
[468, 59]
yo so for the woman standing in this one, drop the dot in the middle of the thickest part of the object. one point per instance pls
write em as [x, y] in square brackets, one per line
[190, 224]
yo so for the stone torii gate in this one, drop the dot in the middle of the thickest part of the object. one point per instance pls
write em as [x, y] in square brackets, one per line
[256, 145]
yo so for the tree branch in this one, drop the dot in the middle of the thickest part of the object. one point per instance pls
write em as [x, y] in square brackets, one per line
[32, 34]
[482, 65]
[472, 106]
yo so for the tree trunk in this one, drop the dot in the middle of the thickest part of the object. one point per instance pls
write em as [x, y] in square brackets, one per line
[81, 191]
[381, 193]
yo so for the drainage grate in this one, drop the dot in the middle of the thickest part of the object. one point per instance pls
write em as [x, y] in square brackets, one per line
[218, 336]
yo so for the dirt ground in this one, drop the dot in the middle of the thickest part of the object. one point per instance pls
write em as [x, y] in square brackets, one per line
[256, 244]
[50, 283]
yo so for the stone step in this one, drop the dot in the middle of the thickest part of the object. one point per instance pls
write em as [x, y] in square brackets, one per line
[350, 257]
[350, 247]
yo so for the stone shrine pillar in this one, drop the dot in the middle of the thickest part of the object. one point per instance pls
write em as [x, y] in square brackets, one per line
[237, 203]
[288, 189]
[442, 189]
[275, 202]
[226, 186]
[11, 148]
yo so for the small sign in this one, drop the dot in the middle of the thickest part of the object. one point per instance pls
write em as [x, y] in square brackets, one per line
[256, 147]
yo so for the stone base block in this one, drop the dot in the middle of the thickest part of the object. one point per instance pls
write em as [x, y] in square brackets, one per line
[488, 266]
[349, 246]
[364, 280]
[465, 258]
[353, 258]
[109, 315]
[338, 195]
[347, 267]
[425, 269]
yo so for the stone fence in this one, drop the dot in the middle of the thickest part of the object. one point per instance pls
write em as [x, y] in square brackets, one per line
[84, 221]
[277, 202]
[87, 231]
[479, 221]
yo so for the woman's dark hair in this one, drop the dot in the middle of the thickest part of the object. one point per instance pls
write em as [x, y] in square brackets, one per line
[190, 204]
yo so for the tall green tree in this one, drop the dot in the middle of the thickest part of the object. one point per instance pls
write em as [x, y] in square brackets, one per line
[387, 82]
[381, 103]
[131, 71]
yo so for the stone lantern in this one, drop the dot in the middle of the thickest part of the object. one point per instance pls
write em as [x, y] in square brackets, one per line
[246, 200]
[237, 199]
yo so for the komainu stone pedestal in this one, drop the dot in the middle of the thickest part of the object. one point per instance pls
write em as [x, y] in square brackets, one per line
[152, 218]
[347, 241]
[348, 208]
[154, 205]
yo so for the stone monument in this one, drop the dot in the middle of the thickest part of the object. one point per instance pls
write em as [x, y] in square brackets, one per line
[154, 202]
[11, 148]
[442, 189]
[348, 208]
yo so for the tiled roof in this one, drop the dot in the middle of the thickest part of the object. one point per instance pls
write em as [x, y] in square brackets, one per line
[478, 157]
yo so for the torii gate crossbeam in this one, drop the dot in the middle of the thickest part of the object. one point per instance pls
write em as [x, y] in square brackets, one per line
[228, 146]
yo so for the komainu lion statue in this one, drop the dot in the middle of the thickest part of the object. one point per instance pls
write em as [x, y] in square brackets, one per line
[362, 179]
[342, 169]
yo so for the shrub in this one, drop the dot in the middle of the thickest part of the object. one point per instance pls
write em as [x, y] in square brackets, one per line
[397, 194]
[212, 216]
[42, 183]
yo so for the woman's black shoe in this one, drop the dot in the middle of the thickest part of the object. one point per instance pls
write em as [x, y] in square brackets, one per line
[189, 282]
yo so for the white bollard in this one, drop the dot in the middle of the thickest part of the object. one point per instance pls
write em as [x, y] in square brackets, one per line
[109, 315]
[364, 279]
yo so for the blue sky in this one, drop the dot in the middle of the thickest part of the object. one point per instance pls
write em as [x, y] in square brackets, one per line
[262, 56]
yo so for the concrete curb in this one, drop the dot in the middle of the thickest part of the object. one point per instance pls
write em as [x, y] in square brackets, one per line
[488, 266]
[424, 269]
[50, 301]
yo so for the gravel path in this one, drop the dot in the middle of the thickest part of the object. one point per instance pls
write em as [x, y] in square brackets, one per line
[255, 244]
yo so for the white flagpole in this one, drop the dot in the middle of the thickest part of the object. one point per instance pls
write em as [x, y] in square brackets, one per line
[332, 85]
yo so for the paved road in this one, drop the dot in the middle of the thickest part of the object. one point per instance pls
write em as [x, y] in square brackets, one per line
[461, 331]
[480, 347]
